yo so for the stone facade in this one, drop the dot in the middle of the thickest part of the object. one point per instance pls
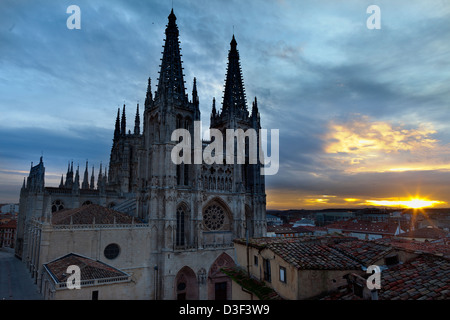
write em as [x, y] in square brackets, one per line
[191, 212]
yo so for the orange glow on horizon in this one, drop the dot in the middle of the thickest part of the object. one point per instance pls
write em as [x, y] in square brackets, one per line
[411, 203]
[285, 200]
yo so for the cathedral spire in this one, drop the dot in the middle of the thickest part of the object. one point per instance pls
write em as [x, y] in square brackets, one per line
[255, 108]
[76, 183]
[148, 97]
[85, 184]
[92, 185]
[214, 111]
[117, 129]
[195, 99]
[69, 176]
[137, 121]
[171, 83]
[123, 129]
[234, 101]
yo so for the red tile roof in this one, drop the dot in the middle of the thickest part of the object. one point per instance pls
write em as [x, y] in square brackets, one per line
[87, 214]
[427, 233]
[425, 278]
[311, 256]
[307, 252]
[314, 228]
[11, 224]
[287, 228]
[364, 226]
[365, 252]
[90, 269]
[439, 248]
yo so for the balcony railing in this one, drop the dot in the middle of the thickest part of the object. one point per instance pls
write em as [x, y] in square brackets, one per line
[95, 282]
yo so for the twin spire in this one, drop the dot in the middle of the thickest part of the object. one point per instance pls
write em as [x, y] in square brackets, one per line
[171, 84]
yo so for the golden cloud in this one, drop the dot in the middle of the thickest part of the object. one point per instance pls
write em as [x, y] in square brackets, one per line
[362, 137]
[362, 145]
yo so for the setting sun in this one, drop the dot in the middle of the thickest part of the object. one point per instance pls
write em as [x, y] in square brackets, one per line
[412, 203]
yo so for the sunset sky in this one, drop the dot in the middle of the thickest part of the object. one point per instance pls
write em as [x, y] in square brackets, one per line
[364, 115]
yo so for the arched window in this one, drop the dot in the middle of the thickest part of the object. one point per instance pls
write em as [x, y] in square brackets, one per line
[187, 123]
[183, 174]
[179, 123]
[214, 217]
[57, 205]
[186, 174]
[178, 174]
[179, 237]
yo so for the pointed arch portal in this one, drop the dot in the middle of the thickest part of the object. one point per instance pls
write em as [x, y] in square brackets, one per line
[219, 284]
[186, 285]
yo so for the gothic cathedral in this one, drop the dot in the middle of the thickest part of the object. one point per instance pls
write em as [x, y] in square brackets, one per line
[191, 212]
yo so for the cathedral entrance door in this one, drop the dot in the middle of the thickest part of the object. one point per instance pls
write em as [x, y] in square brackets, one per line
[219, 284]
[220, 292]
[186, 285]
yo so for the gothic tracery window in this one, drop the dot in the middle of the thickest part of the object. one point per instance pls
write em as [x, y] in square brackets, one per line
[179, 238]
[57, 205]
[214, 217]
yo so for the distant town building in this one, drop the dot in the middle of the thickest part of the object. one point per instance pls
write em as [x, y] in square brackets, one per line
[273, 220]
[367, 230]
[287, 230]
[315, 230]
[428, 233]
[8, 233]
[304, 222]
[439, 247]
[326, 217]
[12, 208]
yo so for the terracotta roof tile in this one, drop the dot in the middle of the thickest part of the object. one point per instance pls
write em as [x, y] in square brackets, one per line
[365, 252]
[426, 278]
[11, 224]
[364, 226]
[304, 255]
[89, 214]
[308, 252]
[439, 248]
[90, 269]
[428, 232]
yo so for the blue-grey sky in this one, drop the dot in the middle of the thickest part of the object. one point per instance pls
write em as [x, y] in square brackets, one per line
[363, 114]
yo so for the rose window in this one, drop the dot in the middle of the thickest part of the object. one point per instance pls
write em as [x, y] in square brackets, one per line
[214, 217]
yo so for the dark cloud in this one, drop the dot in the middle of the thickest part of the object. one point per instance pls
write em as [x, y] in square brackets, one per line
[308, 63]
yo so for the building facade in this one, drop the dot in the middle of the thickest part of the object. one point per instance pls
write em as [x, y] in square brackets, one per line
[193, 211]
